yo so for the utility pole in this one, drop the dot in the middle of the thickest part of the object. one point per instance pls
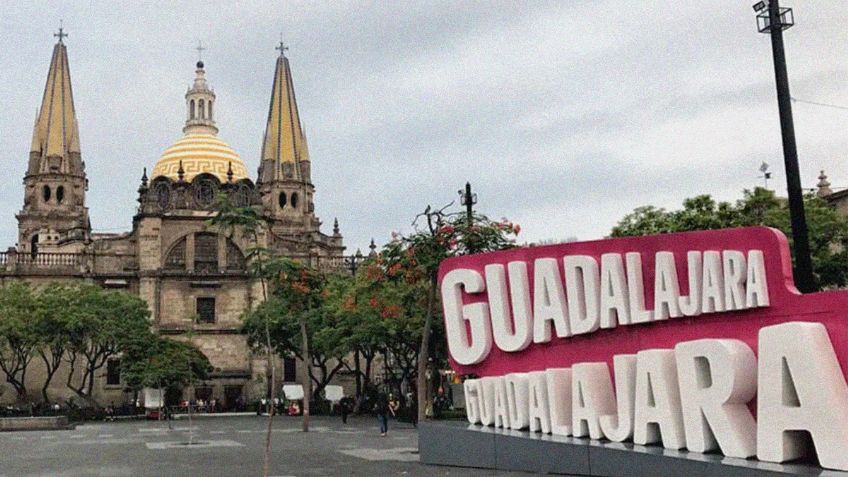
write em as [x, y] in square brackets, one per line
[468, 199]
[352, 263]
[773, 20]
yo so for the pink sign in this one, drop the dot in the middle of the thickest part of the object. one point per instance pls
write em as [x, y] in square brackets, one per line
[782, 302]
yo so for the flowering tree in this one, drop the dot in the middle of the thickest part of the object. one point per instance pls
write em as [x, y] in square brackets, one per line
[414, 259]
[300, 289]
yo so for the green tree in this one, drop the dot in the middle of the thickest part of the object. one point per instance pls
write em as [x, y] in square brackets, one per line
[415, 258]
[56, 308]
[327, 337]
[352, 301]
[151, 361]
[18, 335]
[300, 288]
[233, 219]
[828, 229]
[101, 325]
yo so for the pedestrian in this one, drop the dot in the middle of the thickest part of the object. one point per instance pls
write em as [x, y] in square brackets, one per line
[394, 405]
[382, 409]
[346, 406]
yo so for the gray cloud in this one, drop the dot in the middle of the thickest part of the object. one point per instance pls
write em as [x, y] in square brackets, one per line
[563, 115]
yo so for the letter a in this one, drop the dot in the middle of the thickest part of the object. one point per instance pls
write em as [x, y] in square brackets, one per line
[801, 388]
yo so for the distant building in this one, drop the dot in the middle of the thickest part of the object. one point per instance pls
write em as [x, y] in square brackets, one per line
[837, 199]
[191, 275]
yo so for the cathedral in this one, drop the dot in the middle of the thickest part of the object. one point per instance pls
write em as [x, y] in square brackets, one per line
[192, 276]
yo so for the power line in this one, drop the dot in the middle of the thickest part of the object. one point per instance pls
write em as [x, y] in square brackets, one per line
[826, 105]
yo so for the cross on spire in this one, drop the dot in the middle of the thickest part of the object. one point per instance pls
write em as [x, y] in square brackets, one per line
[200, 49]
[61, 33]
[282, 48]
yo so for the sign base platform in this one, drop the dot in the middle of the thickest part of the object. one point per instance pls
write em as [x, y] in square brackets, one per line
[459, 444]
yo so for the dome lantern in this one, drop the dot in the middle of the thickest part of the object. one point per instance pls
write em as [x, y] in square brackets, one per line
[200, 151]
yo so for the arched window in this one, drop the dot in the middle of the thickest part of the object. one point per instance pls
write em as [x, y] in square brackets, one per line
[177, 256]
[294, 200]
[60, 194]
[45, 193]
[191, 109]
[235, 259]
[205, 253]
[210, 109]
[282, 200]
[33, 245]
[201, 113]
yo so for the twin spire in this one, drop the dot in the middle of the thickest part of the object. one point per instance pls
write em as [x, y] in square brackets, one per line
[284, 146]
[56, 134]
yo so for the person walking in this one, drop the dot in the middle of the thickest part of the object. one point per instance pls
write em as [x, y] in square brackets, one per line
[394, 406]
[382, 409]
[345, 406]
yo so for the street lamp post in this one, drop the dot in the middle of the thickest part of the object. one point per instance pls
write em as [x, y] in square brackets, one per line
[772, 19]
[352, 263]
[468, 199]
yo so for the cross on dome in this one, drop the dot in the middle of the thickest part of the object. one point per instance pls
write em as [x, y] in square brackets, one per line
[200, 49]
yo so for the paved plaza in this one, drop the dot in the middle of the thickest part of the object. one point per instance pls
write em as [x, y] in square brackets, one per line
[229, 446]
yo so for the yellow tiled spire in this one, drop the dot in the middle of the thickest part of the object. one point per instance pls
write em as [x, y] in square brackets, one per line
[56, 133]
[284, 141]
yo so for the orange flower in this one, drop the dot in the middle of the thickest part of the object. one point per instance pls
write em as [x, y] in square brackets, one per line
[391, 311]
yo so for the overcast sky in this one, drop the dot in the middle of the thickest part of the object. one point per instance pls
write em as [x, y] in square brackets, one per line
[564, 116]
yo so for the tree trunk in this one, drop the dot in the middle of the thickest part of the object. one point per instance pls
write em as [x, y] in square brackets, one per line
[358, 373]
[424, 353]
[307, 378]
[271, 408]
[51, 365]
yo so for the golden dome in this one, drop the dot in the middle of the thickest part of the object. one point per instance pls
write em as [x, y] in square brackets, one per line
[200, 153]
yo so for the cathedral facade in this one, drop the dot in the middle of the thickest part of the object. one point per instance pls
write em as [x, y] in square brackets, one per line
[193, 276]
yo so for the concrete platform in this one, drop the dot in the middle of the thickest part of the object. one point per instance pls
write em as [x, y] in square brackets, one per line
[8, 424]
[462, 445]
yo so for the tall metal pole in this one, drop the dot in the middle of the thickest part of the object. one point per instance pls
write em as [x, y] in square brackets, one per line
[468, 203]
[803, 264]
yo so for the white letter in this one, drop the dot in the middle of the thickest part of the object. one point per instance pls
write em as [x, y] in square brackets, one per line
[463, 350]
[549, 304]
[801, 388]
[591, 397]
[559, 399]
[486, 391]
[614, 307]
[582, 283]
[516, 400]
[501, 405]
[539, 412]
[691, 305]
[717, 379]
[734, 280]
[510, 335]
[657, 414]
[756, 286]
[471, 388]
[666, 287]
[713, 296]
[636, 288]
[619, 427]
